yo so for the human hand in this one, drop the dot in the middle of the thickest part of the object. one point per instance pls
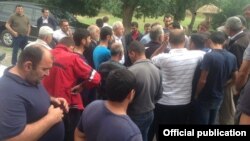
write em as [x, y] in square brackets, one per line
[60, 102]
[54, 115]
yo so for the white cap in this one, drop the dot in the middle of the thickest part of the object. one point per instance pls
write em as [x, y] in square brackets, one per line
[45, 30]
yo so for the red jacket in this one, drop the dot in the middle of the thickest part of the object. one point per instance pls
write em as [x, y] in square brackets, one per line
[68, 67]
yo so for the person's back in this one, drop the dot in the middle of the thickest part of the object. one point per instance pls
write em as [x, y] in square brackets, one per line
[108, 126]
[109, 121]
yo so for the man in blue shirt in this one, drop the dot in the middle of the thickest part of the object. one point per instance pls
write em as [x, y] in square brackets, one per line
[109, 121]
[26, 112]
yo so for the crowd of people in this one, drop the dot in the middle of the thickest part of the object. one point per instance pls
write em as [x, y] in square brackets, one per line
[100, 84]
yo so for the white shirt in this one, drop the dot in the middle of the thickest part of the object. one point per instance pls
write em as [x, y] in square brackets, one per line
[39, 42]
[2, 68]
[178, 67]
[58, 35]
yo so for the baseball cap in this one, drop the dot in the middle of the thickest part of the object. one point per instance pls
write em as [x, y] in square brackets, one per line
[45, 30]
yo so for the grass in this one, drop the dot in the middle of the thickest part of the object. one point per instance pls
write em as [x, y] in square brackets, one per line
[141, 22]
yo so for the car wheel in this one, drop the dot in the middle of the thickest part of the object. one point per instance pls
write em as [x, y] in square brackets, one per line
[7, 38]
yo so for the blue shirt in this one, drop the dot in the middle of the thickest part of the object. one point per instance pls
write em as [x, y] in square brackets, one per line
[220, 65]
[22, 104]
[101, 54]
[100, 124]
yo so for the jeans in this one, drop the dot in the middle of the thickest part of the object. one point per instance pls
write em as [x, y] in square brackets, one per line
[143, 121]
[18, 42]
[206, 114]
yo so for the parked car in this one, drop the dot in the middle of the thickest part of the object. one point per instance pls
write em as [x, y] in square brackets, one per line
[33, 11]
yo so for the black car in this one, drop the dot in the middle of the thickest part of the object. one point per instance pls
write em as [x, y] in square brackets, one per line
[33, 11]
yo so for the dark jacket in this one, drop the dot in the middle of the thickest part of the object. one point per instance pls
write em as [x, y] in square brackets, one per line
[51, 23]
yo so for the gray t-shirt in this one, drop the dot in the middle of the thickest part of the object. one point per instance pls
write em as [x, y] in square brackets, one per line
[100, 124]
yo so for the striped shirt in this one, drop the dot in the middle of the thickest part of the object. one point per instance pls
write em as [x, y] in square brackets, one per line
[178, 67]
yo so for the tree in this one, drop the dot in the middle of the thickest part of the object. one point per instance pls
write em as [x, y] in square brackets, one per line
[229, 8]
[77, 7]
[126, 9]
[193, 6]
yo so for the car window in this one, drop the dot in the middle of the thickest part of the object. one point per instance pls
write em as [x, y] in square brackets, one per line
[29, 12]
[7, 10]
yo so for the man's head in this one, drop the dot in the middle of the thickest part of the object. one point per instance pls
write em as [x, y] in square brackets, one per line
[217, 38]
[147, 28]
[35, 63]
[64, 25]
[68, 42]
[46, 34]
[168, 20]
[203, 27]
[197, 41]
[157, 33]
[233, 25]
[118, 29]
[120, 85]
[246, 12]
[106, 34]
[134, 27]
[82, 37]
[116, 50]
[19, 9]
[94, 32]
[177, 38]
[135, 51]
[105, 19]
[99, 23]
[45, 12]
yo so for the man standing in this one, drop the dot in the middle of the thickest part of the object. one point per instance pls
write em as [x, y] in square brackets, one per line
[26, 112]
[45, 19]
[19, 26]
[217, 67]
[108, 120]
[64, 31]
[178, 67]
[148, 88]
[68, 68]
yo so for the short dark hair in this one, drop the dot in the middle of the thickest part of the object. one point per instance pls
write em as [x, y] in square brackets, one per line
[176, 25]
[134, 24]
[118, 84]
[67, 41]
[19, 5]
[99, 22]
[44, 9]
[105, 31]
[218, 37]
[167, 16]
[62, 21]
[105, 19]
[137, 47]
[147, 25]
[198, 40]
[80, 34]
[33, 53]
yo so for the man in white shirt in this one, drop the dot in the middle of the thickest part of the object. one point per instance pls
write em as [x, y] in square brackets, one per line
[178, 67]
[64, 31]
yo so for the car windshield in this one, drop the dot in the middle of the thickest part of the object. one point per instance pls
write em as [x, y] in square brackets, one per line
[59, 14]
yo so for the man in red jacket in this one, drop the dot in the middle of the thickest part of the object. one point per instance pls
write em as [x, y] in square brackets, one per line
[67, 69]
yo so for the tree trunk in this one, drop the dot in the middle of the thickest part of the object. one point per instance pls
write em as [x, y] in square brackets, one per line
[190, 26]
[127, 15]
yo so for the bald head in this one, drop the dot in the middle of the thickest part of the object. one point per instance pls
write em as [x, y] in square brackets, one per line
[34, 53]
[177, 37]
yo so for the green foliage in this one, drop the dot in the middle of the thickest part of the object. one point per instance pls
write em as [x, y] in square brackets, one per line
[79, 7]
[229, 8]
